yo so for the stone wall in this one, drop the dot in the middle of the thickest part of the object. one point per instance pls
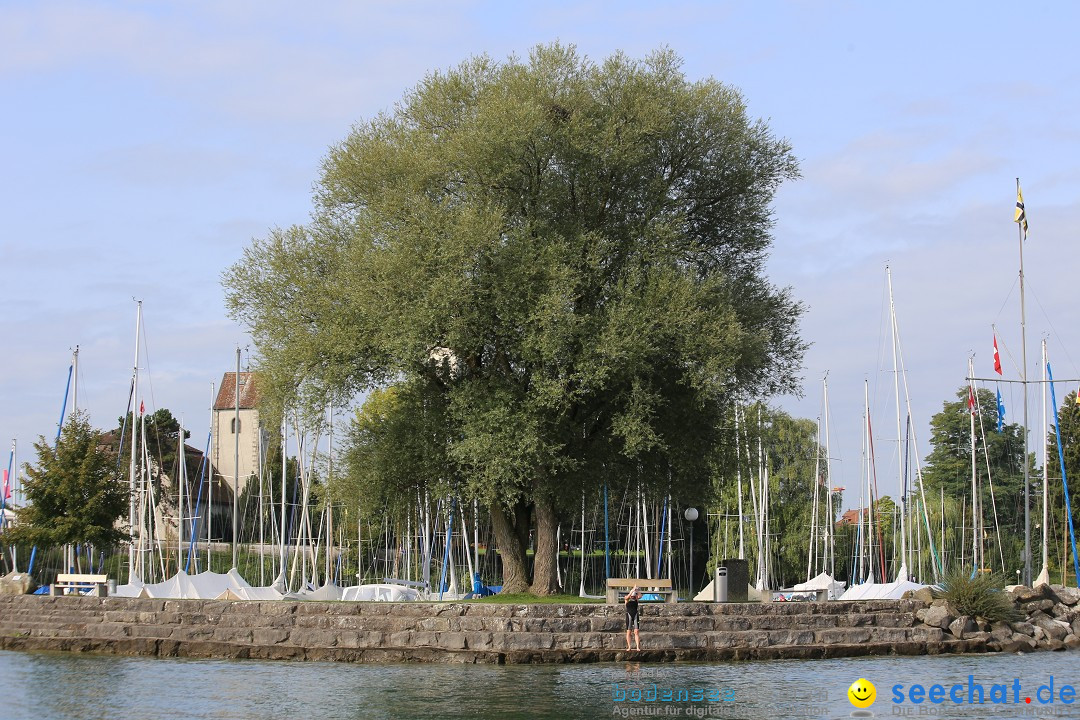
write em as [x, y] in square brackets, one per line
[471, 632]
[1049, 619]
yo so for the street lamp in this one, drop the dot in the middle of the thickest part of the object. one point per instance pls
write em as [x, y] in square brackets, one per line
[691, 515]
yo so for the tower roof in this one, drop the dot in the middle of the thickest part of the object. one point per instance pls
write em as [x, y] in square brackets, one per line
[226, 397]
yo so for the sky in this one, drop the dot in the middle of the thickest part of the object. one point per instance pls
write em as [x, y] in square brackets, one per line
[144, 145]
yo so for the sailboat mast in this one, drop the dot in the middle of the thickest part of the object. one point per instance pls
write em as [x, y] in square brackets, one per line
[1044, 572]
[811, 555]
[210, 477]
[1020, 229]
[830, 541]
[236, 460]
[738, 484]
[974, 471]
[902, 572]
[131, 469]
[181, 478]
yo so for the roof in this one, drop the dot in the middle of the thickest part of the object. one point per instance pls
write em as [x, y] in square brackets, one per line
[226, 398]
[851, 517]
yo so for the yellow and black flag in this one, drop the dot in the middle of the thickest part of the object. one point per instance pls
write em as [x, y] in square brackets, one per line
[1020, 216]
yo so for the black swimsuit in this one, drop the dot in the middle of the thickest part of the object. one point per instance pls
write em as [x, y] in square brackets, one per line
[631, 614]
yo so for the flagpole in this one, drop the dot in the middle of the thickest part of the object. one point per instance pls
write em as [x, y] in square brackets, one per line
[1024, 377]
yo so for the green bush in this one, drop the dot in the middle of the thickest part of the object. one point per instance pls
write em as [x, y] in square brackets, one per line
[980, 596]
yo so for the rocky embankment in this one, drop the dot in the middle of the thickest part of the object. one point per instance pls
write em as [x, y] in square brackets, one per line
[491, 633]
[1049, 620]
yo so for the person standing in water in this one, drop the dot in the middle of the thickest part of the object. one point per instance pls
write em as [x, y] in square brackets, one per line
[632, 618]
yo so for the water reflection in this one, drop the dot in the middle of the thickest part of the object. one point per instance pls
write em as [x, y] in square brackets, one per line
[58, 685]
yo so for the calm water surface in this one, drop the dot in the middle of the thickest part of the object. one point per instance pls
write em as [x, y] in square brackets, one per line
[60, 685]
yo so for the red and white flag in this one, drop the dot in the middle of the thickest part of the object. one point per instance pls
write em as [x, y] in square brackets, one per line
[142, 408]
[971, 400]
[997, 357]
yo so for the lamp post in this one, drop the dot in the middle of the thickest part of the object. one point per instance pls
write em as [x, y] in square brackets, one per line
[691, 515]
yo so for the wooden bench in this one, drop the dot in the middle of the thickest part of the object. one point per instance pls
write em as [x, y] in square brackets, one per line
[66, 582]
[618, 587]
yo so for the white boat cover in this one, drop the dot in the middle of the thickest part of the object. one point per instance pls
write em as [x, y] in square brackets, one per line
[134, 588]
[205, 586]
[232, 586]
[824, 581]
[880, 591]
[380, 592]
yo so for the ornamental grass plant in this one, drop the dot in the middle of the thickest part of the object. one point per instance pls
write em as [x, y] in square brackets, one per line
[982, 595]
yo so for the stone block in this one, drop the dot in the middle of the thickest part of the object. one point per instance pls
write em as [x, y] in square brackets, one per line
[939, 616]
[269, 636]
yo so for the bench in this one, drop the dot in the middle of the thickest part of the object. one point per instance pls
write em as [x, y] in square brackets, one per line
[66, 582]
[618, 587]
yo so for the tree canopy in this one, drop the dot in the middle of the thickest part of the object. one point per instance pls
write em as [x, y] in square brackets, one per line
[75, 492]
[1000, 452]
[556, 264]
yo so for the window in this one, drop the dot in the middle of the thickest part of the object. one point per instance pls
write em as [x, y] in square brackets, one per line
[235, 425]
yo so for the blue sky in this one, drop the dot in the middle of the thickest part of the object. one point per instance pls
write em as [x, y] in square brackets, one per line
[144, 144]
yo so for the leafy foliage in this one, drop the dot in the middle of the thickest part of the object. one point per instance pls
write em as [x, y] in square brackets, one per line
[556, 265]
[980, 596]
[75, 492]
[949, 467]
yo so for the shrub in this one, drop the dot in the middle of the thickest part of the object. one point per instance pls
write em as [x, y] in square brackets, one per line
[980, 596]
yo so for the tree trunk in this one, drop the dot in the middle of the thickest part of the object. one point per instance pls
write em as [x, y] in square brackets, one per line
[515, 568]
[546, 556]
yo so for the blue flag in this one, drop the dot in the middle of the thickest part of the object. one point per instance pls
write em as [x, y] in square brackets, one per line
[1001, 411]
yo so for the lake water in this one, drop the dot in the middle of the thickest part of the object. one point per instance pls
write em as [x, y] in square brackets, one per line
[60, 685]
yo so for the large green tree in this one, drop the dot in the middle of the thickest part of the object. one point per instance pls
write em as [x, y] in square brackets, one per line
[75, 492]
[559, 264]
[949, 468]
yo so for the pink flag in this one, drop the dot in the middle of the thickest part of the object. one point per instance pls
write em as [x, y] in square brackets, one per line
[7, 488]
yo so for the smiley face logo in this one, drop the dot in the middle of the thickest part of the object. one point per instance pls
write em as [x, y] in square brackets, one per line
[862, 693]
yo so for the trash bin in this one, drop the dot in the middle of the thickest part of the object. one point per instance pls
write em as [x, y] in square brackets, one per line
[720, 585]
[112, 586]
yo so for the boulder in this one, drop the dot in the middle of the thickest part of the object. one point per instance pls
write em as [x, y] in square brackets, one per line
[1000, 631]
[1024, 628]
[920, 614]
[1072, 642]
[17, 584]
[939, 616]
[1035, 606]
[962, 625]
[1053, 628]
[1024, 594]
[1063, 612]
[1066, 595]
[1023, 640]
[923, 595]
